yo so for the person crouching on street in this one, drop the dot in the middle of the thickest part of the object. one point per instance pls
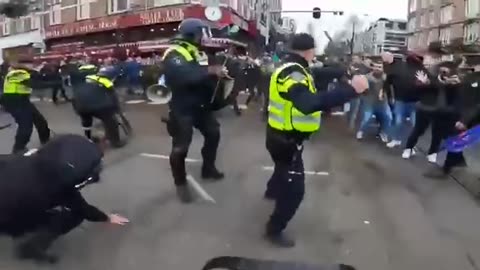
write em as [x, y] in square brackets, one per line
[40, 194]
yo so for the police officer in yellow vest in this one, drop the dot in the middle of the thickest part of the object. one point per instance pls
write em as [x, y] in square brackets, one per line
[86, 68]
[294, 113]
[96, 98]
[192, 88]
[15, 98]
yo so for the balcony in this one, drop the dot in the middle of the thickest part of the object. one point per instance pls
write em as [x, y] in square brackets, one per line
[445, 2]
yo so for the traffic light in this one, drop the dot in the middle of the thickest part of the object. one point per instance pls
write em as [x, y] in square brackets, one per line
[317, 13]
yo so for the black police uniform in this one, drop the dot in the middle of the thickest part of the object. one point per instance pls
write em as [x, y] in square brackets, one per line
[15, 99]
[192, 89]
[286, 147]
[39, 194]
[96, 98]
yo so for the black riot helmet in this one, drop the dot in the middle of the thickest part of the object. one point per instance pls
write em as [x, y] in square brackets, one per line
[194, 30]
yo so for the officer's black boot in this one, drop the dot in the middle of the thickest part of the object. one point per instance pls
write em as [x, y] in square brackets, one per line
[184, 194]
[35, 246]
[212, 173]
[279, 239]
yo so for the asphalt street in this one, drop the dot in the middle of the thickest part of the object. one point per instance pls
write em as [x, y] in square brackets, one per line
[364, 205]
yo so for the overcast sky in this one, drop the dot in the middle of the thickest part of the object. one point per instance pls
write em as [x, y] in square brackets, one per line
[373, 9]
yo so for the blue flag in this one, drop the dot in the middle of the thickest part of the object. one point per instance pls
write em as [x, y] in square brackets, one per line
[462, 141]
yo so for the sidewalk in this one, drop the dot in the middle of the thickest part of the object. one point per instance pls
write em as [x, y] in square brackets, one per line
[468, 177]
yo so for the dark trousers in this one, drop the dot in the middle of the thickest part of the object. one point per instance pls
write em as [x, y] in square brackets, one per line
[26, 115]
[180, 127]
[109, 122]
[287, 184]
[443, 125]
[55, 91]
[49, 227]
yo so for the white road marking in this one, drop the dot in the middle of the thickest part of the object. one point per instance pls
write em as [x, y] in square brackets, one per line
[135, 101]
[337, 113]
[199, 189]
[167, 157]
[34, 99]
[156, 103]
[30, 152]
[321, 173]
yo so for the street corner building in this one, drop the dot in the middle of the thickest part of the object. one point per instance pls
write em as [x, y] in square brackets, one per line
[60, 28]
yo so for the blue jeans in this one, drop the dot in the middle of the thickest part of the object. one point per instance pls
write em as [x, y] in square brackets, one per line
[401, 111]
[381, 111]
[352, 114]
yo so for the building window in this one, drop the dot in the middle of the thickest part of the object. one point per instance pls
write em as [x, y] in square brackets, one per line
[402, 26]
[413, 5]
[83, 9]
[412, 41]
[445, 35]
[432, 36]
[423, 20]
[472, 8]
[446, 14]
[35, 22]
[471, 32]
[432, 18]
[412, 24]
[115, 6]
[55, 15]
[7, 23]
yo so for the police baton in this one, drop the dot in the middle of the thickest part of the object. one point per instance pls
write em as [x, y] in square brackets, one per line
[218, 82]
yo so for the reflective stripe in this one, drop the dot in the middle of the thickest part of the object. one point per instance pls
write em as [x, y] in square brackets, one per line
[277, 118]
[181, 50]
[276, 105]
[103, 81]
[87, 67]
[306, 119]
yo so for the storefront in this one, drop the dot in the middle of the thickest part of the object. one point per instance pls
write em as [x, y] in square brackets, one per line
[118, 32]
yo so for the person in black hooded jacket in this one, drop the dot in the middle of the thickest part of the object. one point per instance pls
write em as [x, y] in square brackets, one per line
[40, 197]
[436, 107]
[468, 108]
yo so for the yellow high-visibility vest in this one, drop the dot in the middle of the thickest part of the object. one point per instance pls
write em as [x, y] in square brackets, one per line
[191, 53]
[87, 67]
[13, 82]
[107, 83]
[282, 115]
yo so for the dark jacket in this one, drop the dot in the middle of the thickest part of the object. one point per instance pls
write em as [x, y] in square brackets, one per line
[92, 97]
[307, 102]
[325, 75]
[32, 185]
[439, 97]
[191, 85]
[401, 80]
[469, 101]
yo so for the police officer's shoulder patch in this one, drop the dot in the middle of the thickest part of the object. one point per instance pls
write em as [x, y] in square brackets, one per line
[297, 76]
[177, 60]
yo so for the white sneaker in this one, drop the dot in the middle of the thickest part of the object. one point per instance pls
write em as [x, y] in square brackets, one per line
[384, 137]
[432, 158]
[407, 153]
[394, 143]
[359, 135]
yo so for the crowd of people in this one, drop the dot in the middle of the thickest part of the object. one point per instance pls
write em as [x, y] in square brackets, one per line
[296, 91]
[443, 97]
